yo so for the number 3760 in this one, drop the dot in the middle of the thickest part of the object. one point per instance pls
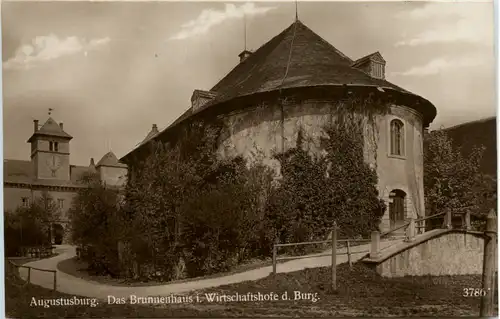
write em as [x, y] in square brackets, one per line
[475, 292]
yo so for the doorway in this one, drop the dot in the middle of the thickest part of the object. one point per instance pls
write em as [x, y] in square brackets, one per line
[397, 208]
[58, 233]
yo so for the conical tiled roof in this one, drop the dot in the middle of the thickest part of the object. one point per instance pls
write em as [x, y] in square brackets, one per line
[51, 128]
[306, 59]
[313, 61]
[111, 160]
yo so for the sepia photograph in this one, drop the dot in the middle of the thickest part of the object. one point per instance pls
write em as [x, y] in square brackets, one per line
[192, 159]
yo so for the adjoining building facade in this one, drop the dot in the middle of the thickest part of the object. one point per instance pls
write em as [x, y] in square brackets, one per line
[296, 81]
[49, 171]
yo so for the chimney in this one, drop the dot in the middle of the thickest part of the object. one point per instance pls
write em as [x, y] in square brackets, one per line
[61, 125]
[245, 54]
[35, 124]
[92, 162]
[154, 129]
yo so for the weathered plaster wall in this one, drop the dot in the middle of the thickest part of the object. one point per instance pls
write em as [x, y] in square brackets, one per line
[13, 199]
[115, 176]
[257, 135]
[450, 254]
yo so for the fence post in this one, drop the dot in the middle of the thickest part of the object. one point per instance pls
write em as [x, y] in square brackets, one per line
[375, 245]
[410, 231]
[489, 260]
[334, 257]
[349, 254]
[55, 280]
[29, 275]
[275, 248]
[447, 222]
[467, 220]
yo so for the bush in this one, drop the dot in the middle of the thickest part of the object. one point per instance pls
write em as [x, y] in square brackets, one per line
[222, 226]
[315, 192]
[95, 222]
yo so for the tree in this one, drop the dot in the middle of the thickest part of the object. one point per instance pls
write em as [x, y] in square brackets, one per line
[453, 181]
[29, 226]
[96, 224]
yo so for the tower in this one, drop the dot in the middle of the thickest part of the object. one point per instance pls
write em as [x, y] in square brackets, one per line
[50, 151]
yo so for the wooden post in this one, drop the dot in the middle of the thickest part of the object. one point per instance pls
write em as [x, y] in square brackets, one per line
[29, 275]
[334, 257]
[375, 245]
[448, 219]
[349, 254]
[55, 280]
[467, 225]
[489, 261]
[275, 252]
[410, 231]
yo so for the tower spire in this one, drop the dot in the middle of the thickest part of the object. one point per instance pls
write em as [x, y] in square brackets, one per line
[244, 31]
[50, 111]
[296, 10]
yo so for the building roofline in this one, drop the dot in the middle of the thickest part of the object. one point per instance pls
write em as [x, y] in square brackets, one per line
[428, 117]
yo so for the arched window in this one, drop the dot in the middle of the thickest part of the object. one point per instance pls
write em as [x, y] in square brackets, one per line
[397, 138]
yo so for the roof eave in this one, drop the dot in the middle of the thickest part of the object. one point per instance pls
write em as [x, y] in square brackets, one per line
[67, 136]
[430, 116]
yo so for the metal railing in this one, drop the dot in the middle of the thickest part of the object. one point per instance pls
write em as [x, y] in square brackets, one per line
[28, 279]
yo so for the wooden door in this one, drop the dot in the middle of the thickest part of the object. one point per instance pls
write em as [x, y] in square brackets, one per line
[397, 211]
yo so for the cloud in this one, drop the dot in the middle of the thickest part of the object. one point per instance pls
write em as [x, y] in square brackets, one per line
[209, 18]
[436, 66]
[46, 48]
[457, 22]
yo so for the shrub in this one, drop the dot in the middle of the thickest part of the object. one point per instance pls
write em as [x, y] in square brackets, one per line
[96, 224]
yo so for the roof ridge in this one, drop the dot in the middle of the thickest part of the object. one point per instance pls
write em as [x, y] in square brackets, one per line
[484, 119]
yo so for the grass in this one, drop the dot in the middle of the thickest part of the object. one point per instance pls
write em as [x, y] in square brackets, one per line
[361, 292]
[78, 268]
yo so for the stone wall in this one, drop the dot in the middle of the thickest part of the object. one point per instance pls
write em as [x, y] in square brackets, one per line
[449, 254]
[257, 135]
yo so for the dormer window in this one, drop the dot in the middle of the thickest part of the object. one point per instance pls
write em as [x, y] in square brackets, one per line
[372, 64]
[378, 70]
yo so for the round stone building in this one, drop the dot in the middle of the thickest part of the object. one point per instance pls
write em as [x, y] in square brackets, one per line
[298, 81]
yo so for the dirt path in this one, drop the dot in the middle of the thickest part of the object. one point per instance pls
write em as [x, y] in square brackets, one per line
[76, 286]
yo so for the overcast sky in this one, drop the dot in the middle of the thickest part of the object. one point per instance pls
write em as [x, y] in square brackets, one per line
[112, 69]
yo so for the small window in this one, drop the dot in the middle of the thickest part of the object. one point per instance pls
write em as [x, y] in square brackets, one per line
[56, 146]
[397, 138]
[60, 203]
[51, 146]
[25, 201]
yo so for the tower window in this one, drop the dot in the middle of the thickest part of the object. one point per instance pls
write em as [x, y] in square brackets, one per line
[56, 146]
[397, 138]
[25, 201]
[51, 146]
[60, 203]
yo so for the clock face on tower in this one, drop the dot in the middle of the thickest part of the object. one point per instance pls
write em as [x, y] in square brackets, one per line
[54, 163]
